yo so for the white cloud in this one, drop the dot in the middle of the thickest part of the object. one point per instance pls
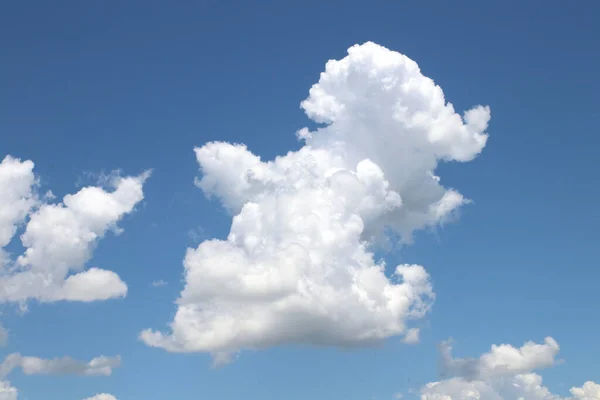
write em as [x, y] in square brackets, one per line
[60, 238]
[17, 198]
[93, 284]
[459, 389]
[502, 359]
[98, 366]
[8, 392]
[297, 266]
[505, 372]
[412, 336]
[159, 283]
[589, 391]
[101, 396]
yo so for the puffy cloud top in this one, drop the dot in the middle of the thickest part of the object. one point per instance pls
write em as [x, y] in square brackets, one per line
[502, 359]
[589, 391]
[505, 372]
[297, 266]
[59, 238]
[17, 198]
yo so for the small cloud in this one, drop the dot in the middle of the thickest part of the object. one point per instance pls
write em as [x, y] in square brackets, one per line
[49, 196]
[23, 307]
[98, 366]
[101, 178]
[398, 395]
[412, 336]
[102, 396]
[222, 358]
[42, 271]
[504, 372]
[159, 283]
[197, 234]
[7, 391]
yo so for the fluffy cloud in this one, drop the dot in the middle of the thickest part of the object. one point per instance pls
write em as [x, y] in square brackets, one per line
[589, 391]
[60, 238]
[17, 198]
[505, 372]
[98, 366]
[8, 392]
[100, 396]
[297, 266]
[501, 360]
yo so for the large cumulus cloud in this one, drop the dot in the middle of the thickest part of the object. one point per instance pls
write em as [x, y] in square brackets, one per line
[298, 266]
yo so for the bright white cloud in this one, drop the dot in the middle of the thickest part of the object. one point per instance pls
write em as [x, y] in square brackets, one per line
[8, 392]
[93, 284]
[98, 366]
[297, 266]
[459, 389]
[505, 372]
[102, 396]
[501, 360]
[589, 391]
[17, 198]
[59, 238]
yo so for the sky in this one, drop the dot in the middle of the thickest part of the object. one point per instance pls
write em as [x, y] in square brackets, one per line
[301, 199]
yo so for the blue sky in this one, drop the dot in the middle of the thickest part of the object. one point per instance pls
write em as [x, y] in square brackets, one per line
[91, 87]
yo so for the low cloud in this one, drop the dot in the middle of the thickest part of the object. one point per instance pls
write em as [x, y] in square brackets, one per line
[59, 238]
[98, 366]
[412, 336]
[505, 372]
[7, 391]
[501, 360]
[102, 396]
[298, 263]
